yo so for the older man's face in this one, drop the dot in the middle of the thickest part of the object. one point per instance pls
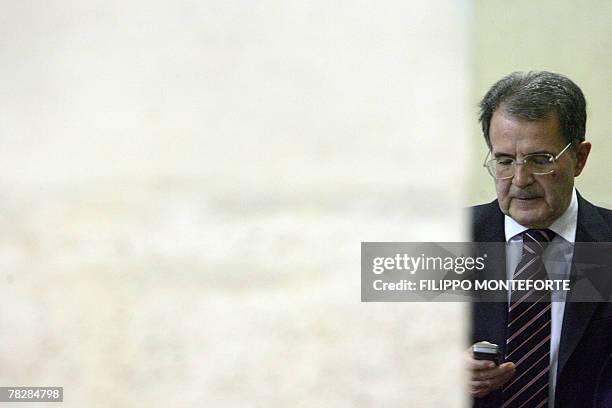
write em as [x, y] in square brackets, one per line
[534, 201]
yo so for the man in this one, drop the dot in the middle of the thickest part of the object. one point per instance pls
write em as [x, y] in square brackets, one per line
[554, 349]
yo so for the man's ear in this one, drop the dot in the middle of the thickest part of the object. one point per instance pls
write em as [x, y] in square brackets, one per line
[582, 153]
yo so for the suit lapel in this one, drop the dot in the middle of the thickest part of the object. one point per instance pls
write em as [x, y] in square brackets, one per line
[590, 228]
[492, 231]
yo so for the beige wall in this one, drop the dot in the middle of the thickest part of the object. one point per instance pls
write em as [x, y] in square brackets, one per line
[185, 186]
[570, 37]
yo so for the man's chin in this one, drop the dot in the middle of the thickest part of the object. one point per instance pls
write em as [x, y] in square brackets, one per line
[530, 218]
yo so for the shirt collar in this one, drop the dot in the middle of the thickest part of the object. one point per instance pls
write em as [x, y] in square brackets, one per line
[564, 226]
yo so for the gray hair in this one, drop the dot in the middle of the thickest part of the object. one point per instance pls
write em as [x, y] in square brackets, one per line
[534, 96]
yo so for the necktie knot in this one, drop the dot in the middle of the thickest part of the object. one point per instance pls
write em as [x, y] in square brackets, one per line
[535, 241]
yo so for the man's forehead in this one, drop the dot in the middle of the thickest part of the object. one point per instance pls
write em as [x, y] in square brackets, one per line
[507, 131]
[549, 118]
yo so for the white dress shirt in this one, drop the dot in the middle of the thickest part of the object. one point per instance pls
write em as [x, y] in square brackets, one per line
[558, 260]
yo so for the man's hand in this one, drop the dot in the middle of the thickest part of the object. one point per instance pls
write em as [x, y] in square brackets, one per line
[485, 376]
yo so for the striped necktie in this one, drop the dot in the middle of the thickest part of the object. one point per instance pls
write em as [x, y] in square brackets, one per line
[528, 331]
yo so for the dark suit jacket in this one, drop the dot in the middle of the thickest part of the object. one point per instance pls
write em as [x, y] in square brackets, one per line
[586, 334]
[603, 392]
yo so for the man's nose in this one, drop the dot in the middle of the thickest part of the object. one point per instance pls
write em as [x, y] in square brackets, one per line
[522, 176]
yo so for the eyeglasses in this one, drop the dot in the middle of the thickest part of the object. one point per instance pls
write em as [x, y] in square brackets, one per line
[539, 164]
